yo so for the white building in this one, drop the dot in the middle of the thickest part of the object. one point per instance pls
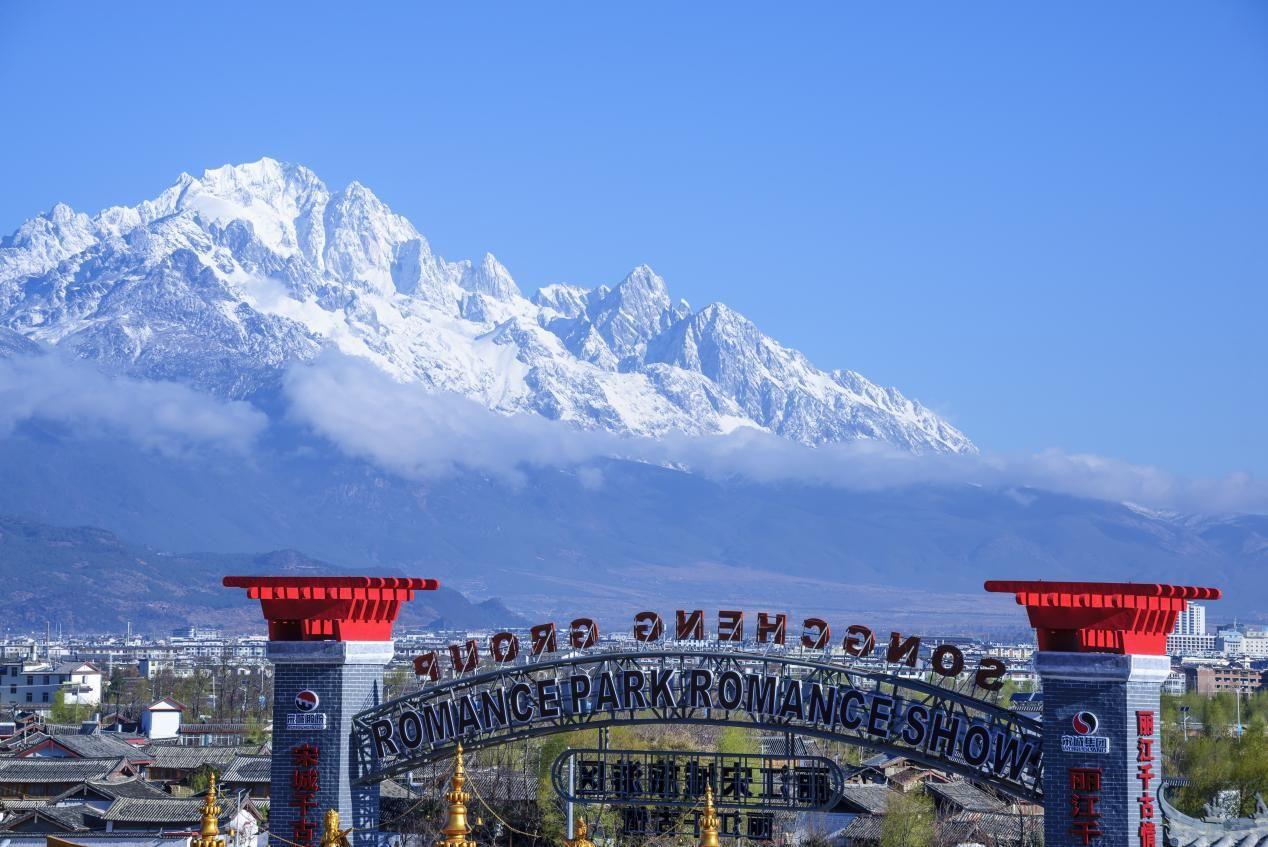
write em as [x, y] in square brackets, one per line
[1192, 645]
[1175, 684]
[84, 685]
[35, 685]
[162, 719]
[1192, 621]
[1238, 645]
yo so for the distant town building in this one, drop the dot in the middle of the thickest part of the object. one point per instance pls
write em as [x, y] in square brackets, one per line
[1192, 645]
[199, 631]
[35, 685]
[1175, 684]
[1216, 680]
[1237, 644]
[1192, 621]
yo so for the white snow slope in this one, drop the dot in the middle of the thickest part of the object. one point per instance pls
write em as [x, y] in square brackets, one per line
[224, 280]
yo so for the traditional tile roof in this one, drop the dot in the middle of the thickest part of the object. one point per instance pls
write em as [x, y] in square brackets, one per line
[1185, 831]
[113, 789]
[869, 798]
[176, 757]
[40, 769]
[1000, 828]
[165, 812]
[864, 828]
[64, 818]
[97, 746]
[256, 769]
[390, 789]
[213, 729]
[963, 796]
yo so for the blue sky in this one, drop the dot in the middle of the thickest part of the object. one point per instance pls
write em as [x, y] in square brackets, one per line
[1047, 221]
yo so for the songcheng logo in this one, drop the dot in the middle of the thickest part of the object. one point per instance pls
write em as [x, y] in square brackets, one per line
[306, 700]
[1085, 739]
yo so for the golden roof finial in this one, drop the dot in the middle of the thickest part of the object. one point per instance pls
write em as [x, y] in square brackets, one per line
[579, 837]
[708, 820]
[332, 835]
[209, 834]
[456, 829]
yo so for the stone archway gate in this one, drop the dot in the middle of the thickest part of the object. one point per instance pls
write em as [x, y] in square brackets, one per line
[1095, 758]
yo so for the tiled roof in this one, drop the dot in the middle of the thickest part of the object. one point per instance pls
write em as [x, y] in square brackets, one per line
[867, 797]
[960, 829]
[113, 789]
[99, 747]
[191, 758]
[390, 789]
[1186, 831]
[163, 812]
[107, 839]
[1002, 827]
[862, 828]
[965, 796]
[882, 760]
[249, 769]
[213, 729]
[66, 818]
[39, 769]
[25, 741]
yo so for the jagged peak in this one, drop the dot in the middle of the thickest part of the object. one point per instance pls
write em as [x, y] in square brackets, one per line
[720, 313]
[60, 213]
[264, 169]
[644, 280]
[489, 277]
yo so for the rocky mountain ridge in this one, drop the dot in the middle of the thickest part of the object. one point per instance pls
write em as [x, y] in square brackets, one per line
[225, 280]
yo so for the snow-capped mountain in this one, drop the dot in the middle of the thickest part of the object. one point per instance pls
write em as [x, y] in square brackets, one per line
[223, 281]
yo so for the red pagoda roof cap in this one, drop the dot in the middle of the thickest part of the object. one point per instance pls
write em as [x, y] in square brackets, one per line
[330, 608]
[1102, 617]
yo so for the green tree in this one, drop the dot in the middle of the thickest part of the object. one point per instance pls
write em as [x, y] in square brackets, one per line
[69, 713]
[736, 740]
[908, 821]
[200, 780]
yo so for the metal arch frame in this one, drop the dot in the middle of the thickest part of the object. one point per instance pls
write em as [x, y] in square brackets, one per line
[972, 709]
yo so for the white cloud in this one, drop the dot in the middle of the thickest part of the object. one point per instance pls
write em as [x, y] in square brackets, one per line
[408, 430]
[163, 416]
[417, 433]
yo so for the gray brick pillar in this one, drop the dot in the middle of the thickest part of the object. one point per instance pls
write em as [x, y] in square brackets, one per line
[330, 637]
[1098, 777]
[347, 677]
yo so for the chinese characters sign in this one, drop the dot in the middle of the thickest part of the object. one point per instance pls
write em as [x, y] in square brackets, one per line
[305, 782]
[642, 821]
[1085, 794]
[1148, 831]
[679, 779]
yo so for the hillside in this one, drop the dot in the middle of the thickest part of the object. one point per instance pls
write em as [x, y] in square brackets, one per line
[84, 579]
